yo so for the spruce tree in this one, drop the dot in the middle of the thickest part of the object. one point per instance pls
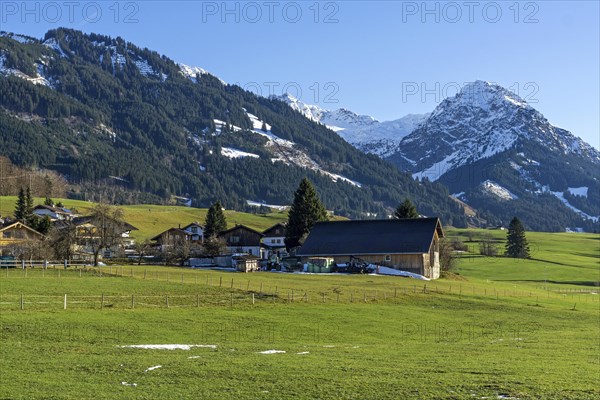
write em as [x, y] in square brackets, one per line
[20, 209]
[406, 210]
[306, 211]
[516, 242]
[30, 218]
[28, 203]
[215, 221]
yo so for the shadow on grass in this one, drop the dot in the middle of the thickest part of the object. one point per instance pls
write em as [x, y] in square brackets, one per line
[576, 283]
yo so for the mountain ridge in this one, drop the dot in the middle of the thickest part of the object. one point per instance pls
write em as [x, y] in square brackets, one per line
[113, 109]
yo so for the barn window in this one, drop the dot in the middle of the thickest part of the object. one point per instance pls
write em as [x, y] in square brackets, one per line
[388, 258]
[234, 239]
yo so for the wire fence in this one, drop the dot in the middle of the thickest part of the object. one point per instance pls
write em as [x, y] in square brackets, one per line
[212, 289]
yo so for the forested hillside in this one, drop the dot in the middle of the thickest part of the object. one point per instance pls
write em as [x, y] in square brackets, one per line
[102, 111]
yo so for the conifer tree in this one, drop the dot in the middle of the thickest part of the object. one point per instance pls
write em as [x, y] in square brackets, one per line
[516, 242]
[28, 204]
[20, 209]
[306, 211]
[215, 221]
[406, 210]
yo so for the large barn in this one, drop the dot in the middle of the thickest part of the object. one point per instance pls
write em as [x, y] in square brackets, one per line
[406, 244]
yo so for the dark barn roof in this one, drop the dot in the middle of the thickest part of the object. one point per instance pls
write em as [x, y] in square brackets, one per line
[389, 236]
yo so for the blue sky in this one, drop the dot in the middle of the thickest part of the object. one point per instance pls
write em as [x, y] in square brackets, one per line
[385, 59]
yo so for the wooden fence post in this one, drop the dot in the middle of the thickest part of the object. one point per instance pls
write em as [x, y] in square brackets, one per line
[231, 299]
[167, 300]
[22, 302]
[252, 298]
[231, 283]
[220, 281]
[102, 301]
[65, 303]
[197, 300]
[144, 274]
[132, 301]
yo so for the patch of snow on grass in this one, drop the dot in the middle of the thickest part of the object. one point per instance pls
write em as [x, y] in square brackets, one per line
[128, 384]
[272, 352]
[167, 346]
[391, 271]
[153, 368]
[303, 352]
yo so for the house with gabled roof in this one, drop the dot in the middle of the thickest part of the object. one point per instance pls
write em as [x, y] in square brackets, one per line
[241, 239]
[411, 245]
[273, 241]
[17, 233]
[195, 230]
[54, 213]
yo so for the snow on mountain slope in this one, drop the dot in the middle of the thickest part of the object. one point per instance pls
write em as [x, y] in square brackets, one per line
[19, 38]
[561, 197]
[482, 120]
[38, 79]
[362, 131]
[497, 190]
[235, 153]
[286, 151]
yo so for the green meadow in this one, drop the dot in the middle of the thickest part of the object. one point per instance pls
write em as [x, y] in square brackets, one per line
[497, 328]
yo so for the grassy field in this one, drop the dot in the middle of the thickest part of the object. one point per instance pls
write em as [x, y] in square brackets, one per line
[500, 329]
[152, 219]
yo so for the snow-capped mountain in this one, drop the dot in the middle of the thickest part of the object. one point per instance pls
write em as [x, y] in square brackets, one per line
[500, 155]
[490, 147]
[482, 120]
[362, 131]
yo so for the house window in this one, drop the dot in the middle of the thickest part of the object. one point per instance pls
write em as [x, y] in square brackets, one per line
[278, 241]
[250, 251]
[234, 239]
[194, 230]
[388, 258]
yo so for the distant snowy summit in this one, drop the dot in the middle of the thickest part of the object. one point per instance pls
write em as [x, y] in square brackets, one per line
[362, 131]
